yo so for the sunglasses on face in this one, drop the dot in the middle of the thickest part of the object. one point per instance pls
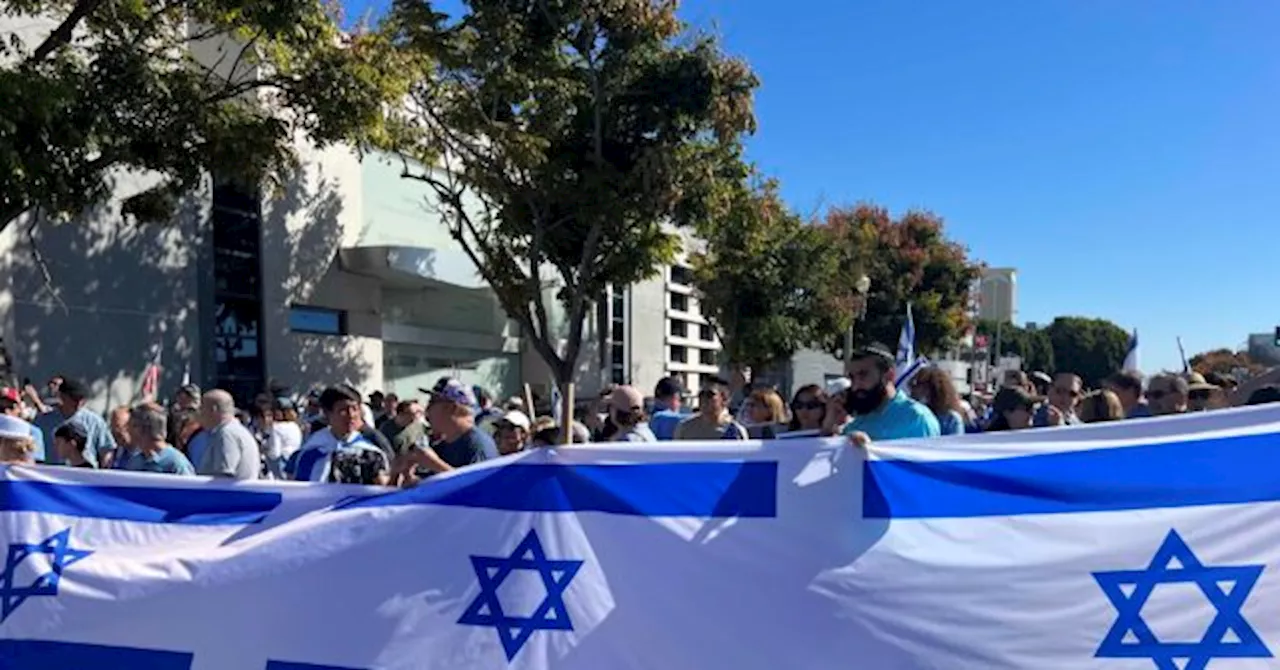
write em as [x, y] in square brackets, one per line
[809, 404]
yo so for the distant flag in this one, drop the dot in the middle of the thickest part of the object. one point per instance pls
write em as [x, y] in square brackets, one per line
[149, 388]
[906, 363]
[186, 375]
[557, 404]
[1131, 356]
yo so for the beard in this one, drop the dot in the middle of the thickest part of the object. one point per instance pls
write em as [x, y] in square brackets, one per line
[865, 401]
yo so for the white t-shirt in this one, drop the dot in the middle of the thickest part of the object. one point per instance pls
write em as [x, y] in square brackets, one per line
[285, 438]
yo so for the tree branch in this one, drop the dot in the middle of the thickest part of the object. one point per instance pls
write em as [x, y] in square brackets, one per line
[65, 31]
[41, 265]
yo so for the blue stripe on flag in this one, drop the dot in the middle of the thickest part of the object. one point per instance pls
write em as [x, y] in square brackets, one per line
[1213, 471]
[189, 506]
[704, 489]
[286, 665]
[42, 655]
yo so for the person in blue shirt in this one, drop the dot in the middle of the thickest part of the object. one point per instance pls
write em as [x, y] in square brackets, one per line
[72, 397]
[148, 430]
[879, 409]
[667, 412]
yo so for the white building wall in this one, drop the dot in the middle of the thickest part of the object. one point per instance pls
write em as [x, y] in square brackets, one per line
[648, 332]
[320, 212]
[998, 295]
[117, 293]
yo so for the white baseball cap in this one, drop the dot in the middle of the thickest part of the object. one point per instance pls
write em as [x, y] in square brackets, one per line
[838, 385]
[14, 428]
[516, 418]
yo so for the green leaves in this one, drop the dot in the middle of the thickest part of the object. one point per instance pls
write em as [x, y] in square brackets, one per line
[766, 280]
[1091, 348]
[908, 259]
[183, 89]
[576, 132]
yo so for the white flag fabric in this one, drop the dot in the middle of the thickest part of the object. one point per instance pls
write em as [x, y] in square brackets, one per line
[1131, 361]
[1138, 544]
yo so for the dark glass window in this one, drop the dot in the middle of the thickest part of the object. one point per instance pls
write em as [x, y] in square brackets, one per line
[317, 320]
[679, 354]
[681, 275]
[706, 356]
[239, 366]
[679, 328]
[704, 333]
[680, 302]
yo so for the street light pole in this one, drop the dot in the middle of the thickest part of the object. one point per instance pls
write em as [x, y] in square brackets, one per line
[861, 287]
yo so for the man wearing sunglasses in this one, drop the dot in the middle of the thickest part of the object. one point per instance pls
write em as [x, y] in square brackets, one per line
[1064, 396]
[1168, 394]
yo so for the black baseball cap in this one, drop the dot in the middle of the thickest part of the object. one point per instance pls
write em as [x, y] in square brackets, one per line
[668, 387]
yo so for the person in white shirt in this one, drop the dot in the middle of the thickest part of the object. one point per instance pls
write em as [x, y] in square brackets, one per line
[284, 437]
[342, 452]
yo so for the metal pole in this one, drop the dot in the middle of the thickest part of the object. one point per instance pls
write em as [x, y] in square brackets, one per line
[848, 343]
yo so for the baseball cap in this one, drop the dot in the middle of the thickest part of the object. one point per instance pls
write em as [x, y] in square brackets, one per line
[454, 391]
[668, 387]
[516, 418]
[14, 428]
[838, 385]
[625, 399]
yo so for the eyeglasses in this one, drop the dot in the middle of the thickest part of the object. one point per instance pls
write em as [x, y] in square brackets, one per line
[809, 404]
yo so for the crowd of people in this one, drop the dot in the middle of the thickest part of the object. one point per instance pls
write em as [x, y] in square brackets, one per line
[339, 435]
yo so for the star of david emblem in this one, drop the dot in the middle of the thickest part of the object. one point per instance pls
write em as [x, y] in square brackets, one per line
[486, 609]
[1226, 587]
[61, 556]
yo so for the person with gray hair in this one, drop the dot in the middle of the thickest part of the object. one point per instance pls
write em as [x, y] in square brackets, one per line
[230, 449]
[148, 428]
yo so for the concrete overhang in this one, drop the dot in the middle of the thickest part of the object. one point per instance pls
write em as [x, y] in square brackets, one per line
[411, 267]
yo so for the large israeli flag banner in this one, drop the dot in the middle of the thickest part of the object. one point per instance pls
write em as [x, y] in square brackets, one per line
[1146, 544]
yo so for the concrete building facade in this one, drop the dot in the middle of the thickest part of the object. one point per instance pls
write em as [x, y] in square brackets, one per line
[997, 295]
[656, 329]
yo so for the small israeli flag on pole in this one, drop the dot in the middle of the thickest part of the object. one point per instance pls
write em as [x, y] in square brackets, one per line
[1131, 356]
[557, 403]
[906, 362]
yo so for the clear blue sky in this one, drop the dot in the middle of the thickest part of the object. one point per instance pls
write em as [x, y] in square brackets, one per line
[1123, 155]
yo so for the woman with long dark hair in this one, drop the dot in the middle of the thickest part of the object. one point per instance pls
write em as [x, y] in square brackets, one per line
[932, 387]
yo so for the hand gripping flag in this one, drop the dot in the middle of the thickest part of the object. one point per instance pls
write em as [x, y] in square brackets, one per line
[1128, 545]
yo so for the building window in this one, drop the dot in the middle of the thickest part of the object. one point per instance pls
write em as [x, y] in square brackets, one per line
[239, 364]
[618, 363]
[681, 275]
[707, 356]
[679, 328]
[679, 354]
[618, 336]
[317, 320]
[679, 302]
[705, 334]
